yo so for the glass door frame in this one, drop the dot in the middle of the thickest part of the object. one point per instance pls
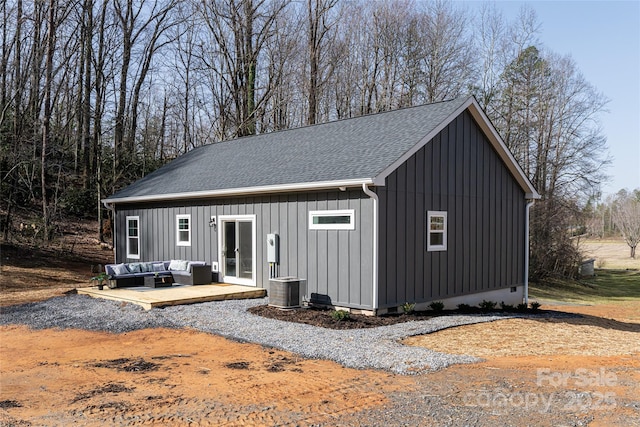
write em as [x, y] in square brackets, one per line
[222, 219]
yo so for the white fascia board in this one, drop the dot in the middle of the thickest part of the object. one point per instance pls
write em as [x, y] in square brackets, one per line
[267, 189]
[491, 133]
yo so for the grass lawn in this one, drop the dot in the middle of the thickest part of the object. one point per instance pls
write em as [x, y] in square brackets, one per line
[608, 286]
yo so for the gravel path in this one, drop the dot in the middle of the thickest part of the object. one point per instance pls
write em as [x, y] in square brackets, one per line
[357, 348]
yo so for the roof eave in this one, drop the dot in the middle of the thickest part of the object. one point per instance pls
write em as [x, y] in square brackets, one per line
[246, 191]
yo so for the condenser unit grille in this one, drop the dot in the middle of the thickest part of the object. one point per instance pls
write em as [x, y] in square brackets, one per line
[284, 292]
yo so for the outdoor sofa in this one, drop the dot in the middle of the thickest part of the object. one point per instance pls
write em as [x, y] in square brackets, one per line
[182, 272]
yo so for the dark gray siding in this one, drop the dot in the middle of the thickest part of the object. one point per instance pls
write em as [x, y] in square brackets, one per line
[336, 264]
[458, 172]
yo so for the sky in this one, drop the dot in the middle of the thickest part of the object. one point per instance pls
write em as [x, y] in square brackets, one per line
[603, 38]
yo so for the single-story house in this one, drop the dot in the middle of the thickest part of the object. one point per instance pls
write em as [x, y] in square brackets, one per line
[414, 205]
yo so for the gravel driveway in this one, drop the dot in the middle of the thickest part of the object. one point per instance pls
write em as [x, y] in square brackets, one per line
[356, 348]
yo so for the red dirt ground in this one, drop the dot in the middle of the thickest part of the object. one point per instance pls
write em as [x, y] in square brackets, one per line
[185, 377]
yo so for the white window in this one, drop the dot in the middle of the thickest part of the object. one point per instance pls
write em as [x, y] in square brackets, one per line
[133, 237]
[436, 231]
[332, 220]
[183, 230]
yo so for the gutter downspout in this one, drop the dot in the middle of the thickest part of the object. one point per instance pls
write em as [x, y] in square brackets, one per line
[526, 252]
[110, 207]
[376, 202]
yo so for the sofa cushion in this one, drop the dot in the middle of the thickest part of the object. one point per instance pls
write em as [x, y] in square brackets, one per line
[194, 263]
[180, 273]
[178, 265]
[157, 266]
[119, 269]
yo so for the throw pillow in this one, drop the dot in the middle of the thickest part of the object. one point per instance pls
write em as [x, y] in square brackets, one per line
[158, 266]
[119, 269]
[178, 265]
[135, 268]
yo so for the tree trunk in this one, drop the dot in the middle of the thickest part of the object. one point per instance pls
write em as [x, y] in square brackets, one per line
[86, 104]
[313, 62]
[120, 147]
[250, 57]
[46, 119]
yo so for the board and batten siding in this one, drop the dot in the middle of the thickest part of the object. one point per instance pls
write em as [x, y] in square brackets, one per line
[337, 264]
[459, 172]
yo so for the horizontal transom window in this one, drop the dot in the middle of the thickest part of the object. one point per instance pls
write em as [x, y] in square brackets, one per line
[332, 220]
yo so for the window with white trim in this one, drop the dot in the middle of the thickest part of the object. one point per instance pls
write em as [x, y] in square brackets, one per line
[133, 237]
[332, 220]
[183, 230]
[436, 231]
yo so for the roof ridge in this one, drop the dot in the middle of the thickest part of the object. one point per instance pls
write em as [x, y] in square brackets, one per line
[344, 119]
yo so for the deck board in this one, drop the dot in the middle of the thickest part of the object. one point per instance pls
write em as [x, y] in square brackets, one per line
[150, 298]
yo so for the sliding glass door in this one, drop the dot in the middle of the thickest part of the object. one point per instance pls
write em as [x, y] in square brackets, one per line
[238, 249]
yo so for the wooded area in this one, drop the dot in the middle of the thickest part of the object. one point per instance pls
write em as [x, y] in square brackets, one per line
[95, 94]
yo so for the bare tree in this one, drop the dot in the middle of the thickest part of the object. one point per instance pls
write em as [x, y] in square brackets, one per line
[319, 25]
[240, 29]
[285, 53]
[626, 216]
[447, 61]
[143, 26]
[87, 49]
[46, 118]
[491, 46]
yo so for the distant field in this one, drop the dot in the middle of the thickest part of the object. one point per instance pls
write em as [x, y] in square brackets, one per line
[610, 254]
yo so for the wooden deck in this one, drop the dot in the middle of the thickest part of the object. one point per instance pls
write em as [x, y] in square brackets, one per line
[175, 295]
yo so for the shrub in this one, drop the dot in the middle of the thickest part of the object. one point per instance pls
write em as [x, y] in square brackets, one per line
[436, 306]
[535, 306]
[465, 308]
[506, 307]
[487, 305]
[78, 202]
[408, 308]
[340, 315]
[522, 307]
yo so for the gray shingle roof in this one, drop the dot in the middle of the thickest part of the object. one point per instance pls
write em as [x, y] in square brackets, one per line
[350, 149]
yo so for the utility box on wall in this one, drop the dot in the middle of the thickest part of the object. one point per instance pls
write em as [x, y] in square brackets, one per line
[273, 248]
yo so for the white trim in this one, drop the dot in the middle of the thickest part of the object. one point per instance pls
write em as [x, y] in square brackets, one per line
[374, 197]
[526, 251]
[178, 241]
[443, 246]
[231, 279]
[135, 218]
[266, 189]
[327, 213]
